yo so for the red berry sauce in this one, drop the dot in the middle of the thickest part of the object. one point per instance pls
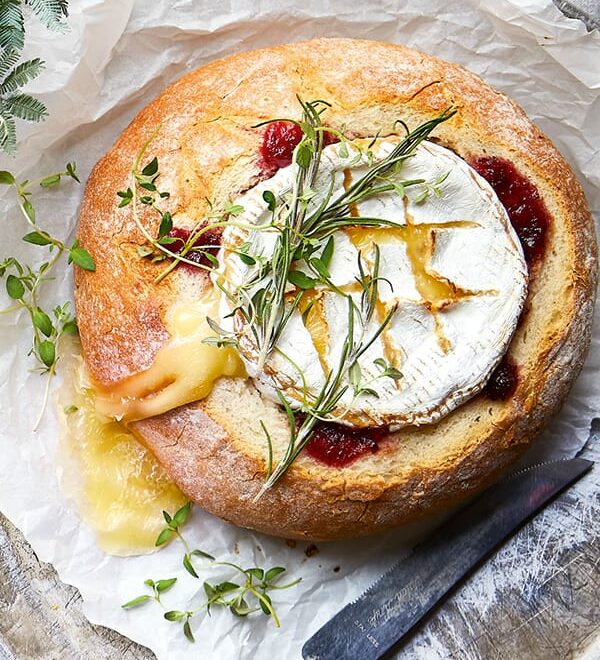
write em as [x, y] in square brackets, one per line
[522, 202]
[279, 141]
[210, 237]
[336, 445]
[503, 381]
[329, 138]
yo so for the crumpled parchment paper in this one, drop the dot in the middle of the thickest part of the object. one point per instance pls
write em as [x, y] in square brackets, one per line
[117, 56]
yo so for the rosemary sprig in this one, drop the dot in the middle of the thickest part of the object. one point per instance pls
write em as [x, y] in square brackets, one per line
[302, 226]
[304, 243]
[242, 597]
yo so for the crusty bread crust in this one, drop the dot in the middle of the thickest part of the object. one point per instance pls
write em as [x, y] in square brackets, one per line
[207, 148]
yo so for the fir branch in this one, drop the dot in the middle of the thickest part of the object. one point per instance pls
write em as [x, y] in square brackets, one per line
[8, 59]
[50, 12]
[8, 132]
[13, 76]
[12, 25]
[21, 75]
[26, 107]
[17, 105]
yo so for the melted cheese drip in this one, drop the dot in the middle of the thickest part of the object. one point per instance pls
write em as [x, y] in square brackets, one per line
[183, 371]
[316, 324]
[119, 487]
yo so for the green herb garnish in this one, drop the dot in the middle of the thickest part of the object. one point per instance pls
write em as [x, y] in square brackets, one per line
[24, 282]
[245, 593]
[301, 257]
[304, 224]
[144, 191]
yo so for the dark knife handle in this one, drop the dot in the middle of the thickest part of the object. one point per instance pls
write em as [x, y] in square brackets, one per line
[367, 628]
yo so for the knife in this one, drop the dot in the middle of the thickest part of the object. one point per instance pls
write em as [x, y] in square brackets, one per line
[371, 625]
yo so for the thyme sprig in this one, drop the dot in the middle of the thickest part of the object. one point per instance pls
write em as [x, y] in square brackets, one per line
[24, 282]
[144, 191]
[242, 595]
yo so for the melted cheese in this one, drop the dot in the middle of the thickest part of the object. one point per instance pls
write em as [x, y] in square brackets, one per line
[313, 316]
[183, 371]
[119, 487]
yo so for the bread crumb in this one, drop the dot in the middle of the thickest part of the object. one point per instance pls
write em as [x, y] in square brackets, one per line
[311, 550]
[290, 543]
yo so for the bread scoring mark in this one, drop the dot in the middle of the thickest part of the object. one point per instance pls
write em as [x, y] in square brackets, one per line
[233, 89]
[419, 91]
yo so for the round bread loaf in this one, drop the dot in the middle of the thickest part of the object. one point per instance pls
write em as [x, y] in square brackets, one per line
[208, 149]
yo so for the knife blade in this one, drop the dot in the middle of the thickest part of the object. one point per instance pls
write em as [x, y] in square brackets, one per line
[368, 627]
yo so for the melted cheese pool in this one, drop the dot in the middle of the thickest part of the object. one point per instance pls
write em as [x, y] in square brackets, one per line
[119, 488]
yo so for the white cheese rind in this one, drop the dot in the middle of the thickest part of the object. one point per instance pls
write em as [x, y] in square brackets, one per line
[445, 348]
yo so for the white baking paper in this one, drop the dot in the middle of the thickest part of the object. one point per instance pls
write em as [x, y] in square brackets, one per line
[117, 56]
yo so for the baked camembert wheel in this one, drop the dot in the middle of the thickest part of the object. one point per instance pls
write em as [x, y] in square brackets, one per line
[339, 285]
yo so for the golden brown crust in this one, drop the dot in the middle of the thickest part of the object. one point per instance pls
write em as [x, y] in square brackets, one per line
[208, 148]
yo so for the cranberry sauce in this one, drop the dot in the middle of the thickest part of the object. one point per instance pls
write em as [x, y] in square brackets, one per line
[208, 238]
[337, 445]
[503, 381]
[522, 202]
[279, 141]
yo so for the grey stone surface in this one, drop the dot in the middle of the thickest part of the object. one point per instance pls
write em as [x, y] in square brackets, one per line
[41, 618]
[587, 11]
